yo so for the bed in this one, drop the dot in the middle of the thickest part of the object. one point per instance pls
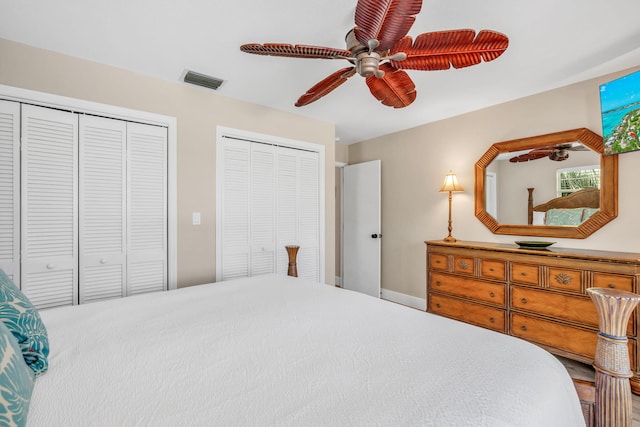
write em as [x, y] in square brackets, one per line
[571, 210]
[276, 350]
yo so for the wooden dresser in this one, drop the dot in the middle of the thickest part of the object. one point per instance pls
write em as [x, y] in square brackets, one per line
[537, 295]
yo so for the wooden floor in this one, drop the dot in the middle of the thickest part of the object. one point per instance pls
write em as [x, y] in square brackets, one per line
[585, 372]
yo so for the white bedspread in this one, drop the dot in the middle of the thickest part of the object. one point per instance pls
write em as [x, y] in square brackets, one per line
[274, 351]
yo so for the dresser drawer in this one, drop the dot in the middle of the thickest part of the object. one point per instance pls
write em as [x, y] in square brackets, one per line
[614, 281]
[469, 288]
[438, 262]
[578, 341]
[525, 273]
[493, 269]
[463, 265]
[575, 309]
[565, 279]
[480, 315]
[557, 335]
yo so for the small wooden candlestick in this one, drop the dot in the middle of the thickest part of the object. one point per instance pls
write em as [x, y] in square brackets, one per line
[613, 391]
[292, 251]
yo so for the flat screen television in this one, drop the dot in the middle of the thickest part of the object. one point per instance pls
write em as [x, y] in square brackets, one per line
[620, 108]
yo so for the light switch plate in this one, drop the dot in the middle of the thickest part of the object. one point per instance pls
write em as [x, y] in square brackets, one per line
[196, 218]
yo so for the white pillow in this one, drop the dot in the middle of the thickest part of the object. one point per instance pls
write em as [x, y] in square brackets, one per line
[538, 218]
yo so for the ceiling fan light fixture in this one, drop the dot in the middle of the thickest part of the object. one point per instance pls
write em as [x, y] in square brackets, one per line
[367, 64]
[203, 80]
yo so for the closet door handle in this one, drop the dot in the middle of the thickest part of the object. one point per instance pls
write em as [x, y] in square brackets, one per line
[50, 266]
[103, 261]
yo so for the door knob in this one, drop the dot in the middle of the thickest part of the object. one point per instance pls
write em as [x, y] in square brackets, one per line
[376, 236]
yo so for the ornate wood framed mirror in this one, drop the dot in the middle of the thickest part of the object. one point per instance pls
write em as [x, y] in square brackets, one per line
[520, 179]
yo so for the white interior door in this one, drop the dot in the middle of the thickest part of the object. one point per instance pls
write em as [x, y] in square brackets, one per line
[268, 197]
[49, 222]
[491, 193]
[102, 211]
[146, 263]
[10, 189]
[361, 228]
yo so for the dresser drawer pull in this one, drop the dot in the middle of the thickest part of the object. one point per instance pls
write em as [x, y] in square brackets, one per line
[492, 294]
[612, 286]
[523, 327]
[438, 283]
[463, 265]
[437, 261]
[523, 300]
[563, 279]
[491, 269]
[438, 305]
[492, 320]
[524, 273]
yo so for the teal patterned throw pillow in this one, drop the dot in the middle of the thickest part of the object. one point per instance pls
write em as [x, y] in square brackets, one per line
[564, 216]
[23, 320]
[16, 381]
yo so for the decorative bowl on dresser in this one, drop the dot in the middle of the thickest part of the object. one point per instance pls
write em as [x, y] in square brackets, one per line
[537, 295]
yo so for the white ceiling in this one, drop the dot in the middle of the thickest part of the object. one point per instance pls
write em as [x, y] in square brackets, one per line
[552, 43]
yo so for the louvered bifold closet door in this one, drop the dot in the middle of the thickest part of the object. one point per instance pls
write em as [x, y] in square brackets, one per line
[287, 204]
[235, 185]
[10, 189]
[263, 204]
[146, 208]
[298, 210]
[49, 273]
[308, 218]
[102, 212]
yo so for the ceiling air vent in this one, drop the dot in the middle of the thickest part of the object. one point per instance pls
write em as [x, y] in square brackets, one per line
[202, 80]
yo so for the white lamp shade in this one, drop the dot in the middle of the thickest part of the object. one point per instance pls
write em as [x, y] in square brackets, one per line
[451, 183]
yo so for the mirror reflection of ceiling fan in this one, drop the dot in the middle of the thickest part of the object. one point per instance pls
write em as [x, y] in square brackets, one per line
[379, 49]
[556, 153]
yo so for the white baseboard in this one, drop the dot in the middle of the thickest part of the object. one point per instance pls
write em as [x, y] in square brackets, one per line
[404, 299]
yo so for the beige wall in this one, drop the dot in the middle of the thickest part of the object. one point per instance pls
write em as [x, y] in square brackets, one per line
[415, 161]
[198, 112]
[342, 153]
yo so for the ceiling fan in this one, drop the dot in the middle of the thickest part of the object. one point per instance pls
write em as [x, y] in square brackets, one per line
[556, 153]
[379, 50]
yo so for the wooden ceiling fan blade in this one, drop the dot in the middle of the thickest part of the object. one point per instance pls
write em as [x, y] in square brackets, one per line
[295, 51]
[532, 155]
[325, 86]
[441, 50]
[394, 89]
[385, 20]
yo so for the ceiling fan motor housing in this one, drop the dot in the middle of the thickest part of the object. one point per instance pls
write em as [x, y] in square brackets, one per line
[353, 45]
